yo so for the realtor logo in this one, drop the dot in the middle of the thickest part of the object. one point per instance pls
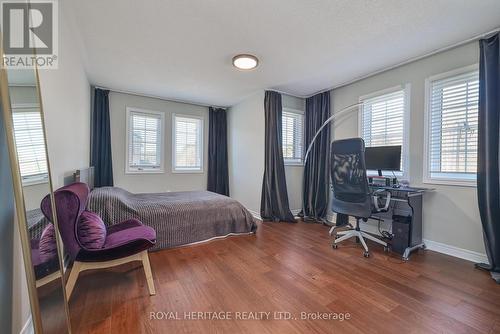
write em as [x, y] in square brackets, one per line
[29, 33]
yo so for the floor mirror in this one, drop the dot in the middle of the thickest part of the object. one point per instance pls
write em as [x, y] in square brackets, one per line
[41, 246]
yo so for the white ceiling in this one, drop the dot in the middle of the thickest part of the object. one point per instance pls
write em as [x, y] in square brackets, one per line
[182, 49]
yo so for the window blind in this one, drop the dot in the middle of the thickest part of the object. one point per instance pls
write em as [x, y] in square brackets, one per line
[188, 134]
[453, 126]
[292, 136]
[30, 143]
[145, 140]
[383, 119]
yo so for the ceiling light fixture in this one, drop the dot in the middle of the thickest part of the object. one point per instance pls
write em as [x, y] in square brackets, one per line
[245, 62]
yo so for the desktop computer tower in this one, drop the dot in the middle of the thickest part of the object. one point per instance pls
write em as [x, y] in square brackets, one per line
[401, 233]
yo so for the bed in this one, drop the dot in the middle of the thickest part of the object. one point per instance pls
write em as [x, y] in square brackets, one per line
[179, 218]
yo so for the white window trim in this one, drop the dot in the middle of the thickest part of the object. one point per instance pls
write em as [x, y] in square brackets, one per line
[42, 178]
[426, 178]
[129, 170]
[33, 181]
[202, 150]
[294, 162]
[406, 123]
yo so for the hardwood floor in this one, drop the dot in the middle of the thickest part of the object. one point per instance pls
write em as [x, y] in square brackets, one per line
[289, 268]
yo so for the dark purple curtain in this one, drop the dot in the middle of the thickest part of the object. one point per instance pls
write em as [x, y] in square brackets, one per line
[316, 179]
[488, 168]
[218, 176]
[100, 155]
[274, 204]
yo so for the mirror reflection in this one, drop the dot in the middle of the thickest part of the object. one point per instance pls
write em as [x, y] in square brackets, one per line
[30, 145]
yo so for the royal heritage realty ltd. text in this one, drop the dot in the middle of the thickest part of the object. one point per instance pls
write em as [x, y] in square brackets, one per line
[247, 315]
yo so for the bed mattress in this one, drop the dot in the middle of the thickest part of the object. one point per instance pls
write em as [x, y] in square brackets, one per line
[179, 218]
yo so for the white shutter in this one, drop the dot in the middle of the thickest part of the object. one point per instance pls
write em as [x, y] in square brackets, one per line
[145, 141]
[453, 126]
[383, 121]
[188, 147]
[30, 143]
[292, 136]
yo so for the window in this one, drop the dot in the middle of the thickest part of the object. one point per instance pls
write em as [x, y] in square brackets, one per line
[452, 125]
[145, 141]
[30, 144]
[293, 138]
[383, 121]
[187, 144]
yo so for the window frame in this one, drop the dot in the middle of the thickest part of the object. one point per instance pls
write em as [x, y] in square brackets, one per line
[132, 170]
[39, 178]
[406, 88]
[426, 176]
[295, 162]
[199, 170]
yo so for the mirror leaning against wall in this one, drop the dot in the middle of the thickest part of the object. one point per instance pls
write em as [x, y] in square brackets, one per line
[40, 241]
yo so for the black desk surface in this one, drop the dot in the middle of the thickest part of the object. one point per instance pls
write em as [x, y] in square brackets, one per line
[402, 189]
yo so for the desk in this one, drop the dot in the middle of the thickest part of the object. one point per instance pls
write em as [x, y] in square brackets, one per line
[406, 218]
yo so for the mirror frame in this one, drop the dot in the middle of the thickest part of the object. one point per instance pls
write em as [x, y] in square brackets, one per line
[20, 203]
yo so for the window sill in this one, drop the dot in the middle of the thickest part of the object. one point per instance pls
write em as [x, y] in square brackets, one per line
[34, 182]
[156, 171]
[294, 164]
[451, 182]
[187, 171]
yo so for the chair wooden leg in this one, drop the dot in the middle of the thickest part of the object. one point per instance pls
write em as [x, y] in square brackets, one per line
[73, 276]
[147, 270]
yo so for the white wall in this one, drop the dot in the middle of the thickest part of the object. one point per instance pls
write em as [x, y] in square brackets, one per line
[66, 105]
[451, 213]
[167, 181]
[246, 151]
[246, 133]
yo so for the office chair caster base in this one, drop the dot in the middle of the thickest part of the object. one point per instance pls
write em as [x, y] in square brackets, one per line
[387, 249]
[366, 254]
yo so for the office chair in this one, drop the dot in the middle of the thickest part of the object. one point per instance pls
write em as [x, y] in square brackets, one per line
[351, 193]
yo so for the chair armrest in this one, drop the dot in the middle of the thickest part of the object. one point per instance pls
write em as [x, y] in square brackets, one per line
[387, 199]
[123, 226]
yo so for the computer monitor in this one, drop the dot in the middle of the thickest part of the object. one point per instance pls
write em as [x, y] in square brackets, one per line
[383, 158]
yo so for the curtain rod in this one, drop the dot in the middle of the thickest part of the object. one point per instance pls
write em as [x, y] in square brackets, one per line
[157, 97]
[410, 60]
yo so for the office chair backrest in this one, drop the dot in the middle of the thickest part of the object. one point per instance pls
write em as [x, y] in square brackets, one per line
[351, 194]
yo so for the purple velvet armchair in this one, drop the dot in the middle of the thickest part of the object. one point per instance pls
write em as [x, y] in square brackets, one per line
[90, 244]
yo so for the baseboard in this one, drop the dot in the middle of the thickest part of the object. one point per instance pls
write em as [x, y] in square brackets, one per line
[371, 227]
[461, 253]
[255, 214]
[28, 327]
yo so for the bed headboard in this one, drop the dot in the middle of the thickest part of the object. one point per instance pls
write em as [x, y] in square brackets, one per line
[85, 176]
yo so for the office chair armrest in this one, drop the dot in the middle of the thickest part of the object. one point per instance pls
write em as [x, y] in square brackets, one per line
[387, 200]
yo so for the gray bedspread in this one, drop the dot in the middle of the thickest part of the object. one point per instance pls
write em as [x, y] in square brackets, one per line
[179, 218]
[36, 223]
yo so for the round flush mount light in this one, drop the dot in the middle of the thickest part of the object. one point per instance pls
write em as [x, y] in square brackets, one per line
[245, 62]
